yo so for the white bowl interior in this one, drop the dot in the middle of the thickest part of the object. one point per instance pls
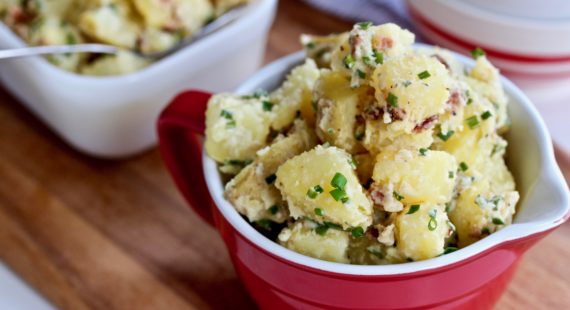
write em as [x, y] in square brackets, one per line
[544, 193]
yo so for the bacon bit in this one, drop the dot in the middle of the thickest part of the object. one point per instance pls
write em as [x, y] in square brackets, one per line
[383, 43]
[374, 232]
[454, 98]
[19, 16]
[426, 124]
[442, 60]
[397, 114]
[354, 42]
[376, 194]
[373, 112]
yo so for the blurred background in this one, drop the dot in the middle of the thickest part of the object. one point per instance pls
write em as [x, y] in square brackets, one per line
[81, 229]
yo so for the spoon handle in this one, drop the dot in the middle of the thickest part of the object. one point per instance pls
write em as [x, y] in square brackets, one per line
[57, 49]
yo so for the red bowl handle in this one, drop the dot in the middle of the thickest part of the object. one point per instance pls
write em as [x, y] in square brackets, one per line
[181, 126]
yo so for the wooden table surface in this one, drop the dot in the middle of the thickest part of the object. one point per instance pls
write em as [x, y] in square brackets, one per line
[89, 233]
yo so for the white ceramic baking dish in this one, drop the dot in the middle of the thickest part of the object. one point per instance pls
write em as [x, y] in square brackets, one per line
[115, 116]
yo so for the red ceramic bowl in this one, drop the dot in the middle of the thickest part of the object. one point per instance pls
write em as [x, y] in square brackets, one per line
[277, 278]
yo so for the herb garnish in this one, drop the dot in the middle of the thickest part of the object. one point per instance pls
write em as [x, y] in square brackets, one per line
[424, 75]
[413, 209]
[392, 100]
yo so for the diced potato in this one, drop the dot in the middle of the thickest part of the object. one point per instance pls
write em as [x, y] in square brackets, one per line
[236, 128]
[367, 47]
[484, 78]
[154, 40]
[54, 31]
[252, 191]
[416, 178]
[189, 15]
[368, 251]
[479, 211]
[295, 92]
[379, 136]
[302, 238]
[320, 48]
[303, 173]
[337, 107]
[111, 24]
[411, 89]
[222, 6]
[421, 235]
[122, 63]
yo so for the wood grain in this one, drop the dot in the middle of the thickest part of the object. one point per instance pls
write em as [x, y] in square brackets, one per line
[96, 234]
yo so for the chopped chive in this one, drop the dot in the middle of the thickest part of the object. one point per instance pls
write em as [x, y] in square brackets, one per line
[485, 231]
[318, 189]
[70, 39]
[270, 178]
[449, 249]
[339, 181]
[486, 115]
[349, 61]
[366, 59]
[397, 196]
[264, 223]
[447, 207]
[267, 106]
[378, 57]
[338, 194]
[432, 224]
[424, 75]
[392, 100]
[413, 209]
[230, 122]
[333, 226]
[274, 209]
[451, 175]
[357, 232]
[311, 193]
[498, 221]
[463, 166]
[226, 114]
[472, 121]
[237, 162]
[446, 136]
[477, 52]
[310, 45]
[497, 148]
[344, 199]
[319, 211]
[423, 151]
[469, 101]
[321, 229]
[364, 25]
[406, 83]
[361, 74]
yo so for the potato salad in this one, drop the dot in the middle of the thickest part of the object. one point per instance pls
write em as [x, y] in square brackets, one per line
[134, 25]
[370, 152]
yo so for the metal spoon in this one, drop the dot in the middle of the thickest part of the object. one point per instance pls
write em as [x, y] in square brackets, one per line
[208, 29]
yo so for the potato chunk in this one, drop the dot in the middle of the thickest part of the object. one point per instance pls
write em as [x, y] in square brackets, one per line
[252, 191]
[306, 182]
[302, 238]
[337, 107]
[295, 92]
[411, 90]
[416, 177]
[111, 24]
[367, 47]
[236, 128]
[421, 234]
